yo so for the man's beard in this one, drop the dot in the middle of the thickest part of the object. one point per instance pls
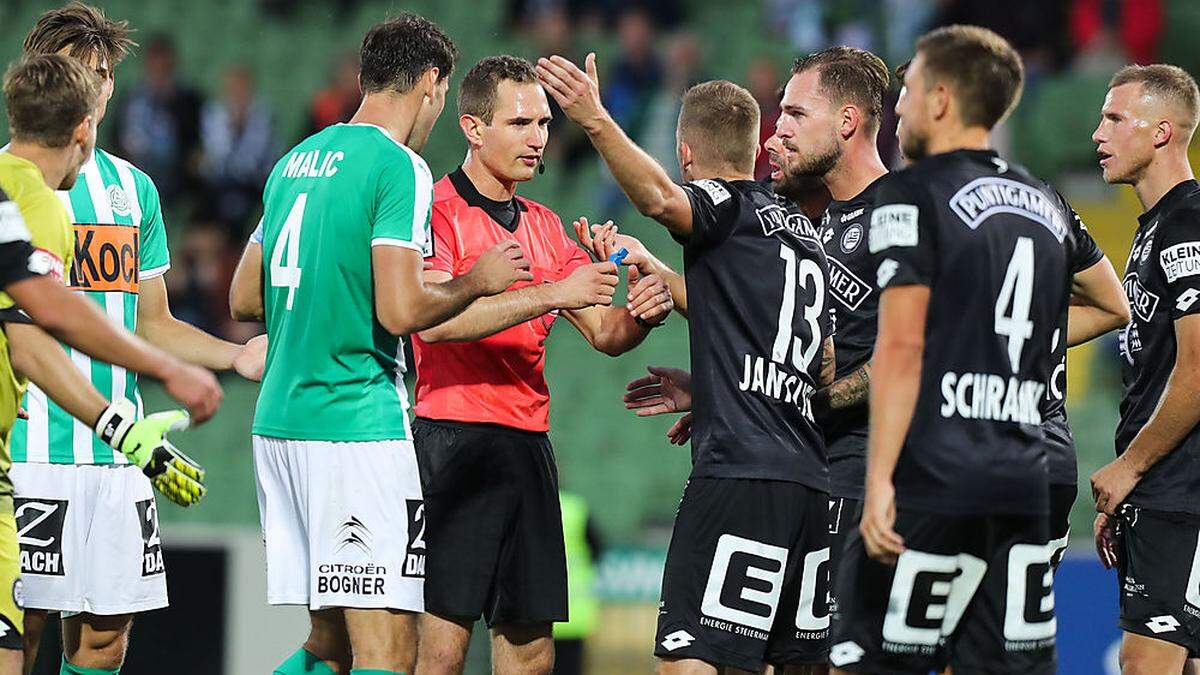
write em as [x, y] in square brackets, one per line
[914, 147]
[796, 187]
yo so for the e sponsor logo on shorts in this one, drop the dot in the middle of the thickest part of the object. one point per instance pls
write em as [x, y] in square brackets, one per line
[414, 553]
[152, 557]
[744, 585]
[39, 533]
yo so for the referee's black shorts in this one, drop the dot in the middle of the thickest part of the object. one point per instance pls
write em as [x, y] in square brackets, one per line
[493, 523]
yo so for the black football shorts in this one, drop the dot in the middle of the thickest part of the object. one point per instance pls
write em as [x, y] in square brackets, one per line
[493, 524]
[843, 519]
[971, 592]
[1158, 565]
[747, 575]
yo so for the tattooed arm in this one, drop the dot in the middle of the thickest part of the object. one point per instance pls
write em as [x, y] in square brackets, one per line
[851, 390]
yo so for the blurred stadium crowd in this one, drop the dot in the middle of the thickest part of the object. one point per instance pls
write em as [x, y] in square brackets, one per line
[210, 148]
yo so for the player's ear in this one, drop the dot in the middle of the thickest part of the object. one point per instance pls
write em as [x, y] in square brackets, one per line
[939, 99]
[429, 82]
[82, 131]
[851, 120]
[1163, 133]
[685, 157]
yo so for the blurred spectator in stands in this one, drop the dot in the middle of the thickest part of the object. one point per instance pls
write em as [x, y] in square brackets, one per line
[637, 73]
[158, 127]
[337, 101]
[1129, 28]
[800, 22]
[553, 33]
[1034, 27]
[239, 150]
[763, 80]
[200, 276]
[683, 65]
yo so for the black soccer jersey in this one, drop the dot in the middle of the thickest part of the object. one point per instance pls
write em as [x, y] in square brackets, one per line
[1162, 282]
[992, 243]
[1060, 446]
[855, 304]
[758, 316]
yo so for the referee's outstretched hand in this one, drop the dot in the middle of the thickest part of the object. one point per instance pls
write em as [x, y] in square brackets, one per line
[587, 286]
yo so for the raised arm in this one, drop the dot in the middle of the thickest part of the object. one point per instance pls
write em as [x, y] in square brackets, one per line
[643, 180]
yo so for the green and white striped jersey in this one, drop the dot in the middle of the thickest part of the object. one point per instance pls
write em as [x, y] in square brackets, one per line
[120, 241]
[332, 371]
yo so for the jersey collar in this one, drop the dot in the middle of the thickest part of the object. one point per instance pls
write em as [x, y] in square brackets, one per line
[507, 214]
[1170, 199]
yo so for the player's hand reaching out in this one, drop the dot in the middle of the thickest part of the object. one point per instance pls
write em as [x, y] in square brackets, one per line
[603, 240]
[1105, 530]
[879, 522]
[252, 359]
[501, 266]
[577, 92]
[649, 298]
[588, 285]
[195, 388]
[664, 390]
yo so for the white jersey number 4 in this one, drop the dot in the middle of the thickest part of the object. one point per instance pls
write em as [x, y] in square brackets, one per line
[288, 275]
[1016, 294]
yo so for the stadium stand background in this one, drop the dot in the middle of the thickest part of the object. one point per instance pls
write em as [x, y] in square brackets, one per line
[291, 50]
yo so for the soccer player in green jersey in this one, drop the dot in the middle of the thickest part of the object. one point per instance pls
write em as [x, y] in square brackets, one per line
[121, 255]
[344, 232]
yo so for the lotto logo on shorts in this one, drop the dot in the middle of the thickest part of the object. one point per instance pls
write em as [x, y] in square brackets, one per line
[152, 557]
[414, 553]
[39, 533]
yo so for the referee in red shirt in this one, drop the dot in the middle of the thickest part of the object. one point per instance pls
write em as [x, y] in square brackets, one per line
[493, 527]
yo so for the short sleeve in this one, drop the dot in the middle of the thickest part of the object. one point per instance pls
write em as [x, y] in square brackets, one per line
[1086, 253]
[155, 258]
[714, 211]
[903, 237]
[444, 251]
[256, 237]
[16, 253]
[1179, 258]
[571, 258]
[404, 200]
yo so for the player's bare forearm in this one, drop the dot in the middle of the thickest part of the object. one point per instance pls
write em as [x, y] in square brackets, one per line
[847, 392]
[490, 315]
[1178, 410]
[678, 288]
[648, 186]
[895, 376]
[42, 359]
[1098, 304]
[80, 323]
[158, 326]
[245, 293]
[610, 330]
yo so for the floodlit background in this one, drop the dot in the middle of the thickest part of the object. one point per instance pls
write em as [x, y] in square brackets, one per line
[220, 89]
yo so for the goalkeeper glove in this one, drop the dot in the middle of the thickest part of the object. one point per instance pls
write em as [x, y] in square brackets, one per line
[171, 472]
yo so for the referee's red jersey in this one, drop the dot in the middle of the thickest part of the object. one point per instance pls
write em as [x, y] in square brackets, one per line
[499, 379]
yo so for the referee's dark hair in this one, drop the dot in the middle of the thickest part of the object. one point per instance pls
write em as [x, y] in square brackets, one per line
[850, 75]
[719, 122]
[983, 70]
[47, 97]
[477, 93]
[397, 52]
